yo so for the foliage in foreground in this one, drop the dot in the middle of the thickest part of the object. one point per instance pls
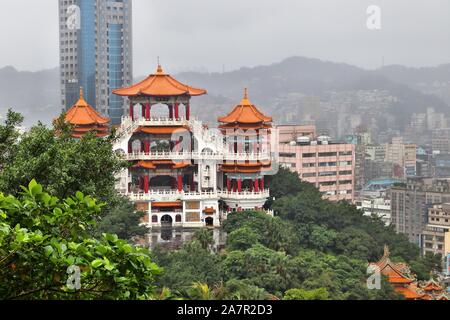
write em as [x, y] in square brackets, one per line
[42, 236]
[63, 166]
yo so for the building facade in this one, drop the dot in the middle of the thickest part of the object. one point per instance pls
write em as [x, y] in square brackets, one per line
[410, 203]
[436, 235]
[403, 155]
[329, 166]
[95, 53]
[379, 207]
[182, 173]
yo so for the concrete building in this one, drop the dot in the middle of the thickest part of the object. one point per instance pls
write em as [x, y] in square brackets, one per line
[436, 235]
[379, 207]
[329, 166]
[403, 155]
[376, 152]
[410, 203]
[95, 53]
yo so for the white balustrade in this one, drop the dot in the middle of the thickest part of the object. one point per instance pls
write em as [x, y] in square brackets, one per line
[172, 195]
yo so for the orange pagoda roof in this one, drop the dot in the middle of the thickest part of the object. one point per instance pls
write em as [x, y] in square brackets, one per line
[393, 271]
[245, 113]
[161, 130]
[432, 286]
[409, 292]
[84, 118]
[82, 114]
[244, 167]
[167, 204]
[153, 164]
[159, 84]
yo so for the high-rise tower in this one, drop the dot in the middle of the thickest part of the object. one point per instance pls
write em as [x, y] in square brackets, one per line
[96, 53]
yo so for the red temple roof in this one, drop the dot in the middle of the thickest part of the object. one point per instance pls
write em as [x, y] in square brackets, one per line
[245, 113]
[81, 113]
[84, 118]
[432, 286]
[159, 84]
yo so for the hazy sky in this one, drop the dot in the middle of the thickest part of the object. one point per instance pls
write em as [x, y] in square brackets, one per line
[216, 34]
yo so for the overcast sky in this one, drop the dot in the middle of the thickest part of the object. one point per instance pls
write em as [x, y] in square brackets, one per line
[217, 34]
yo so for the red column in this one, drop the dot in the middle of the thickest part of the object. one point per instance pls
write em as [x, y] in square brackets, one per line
[177, 111]
[262, 183]
[228, 184]
[130, 147]
[142, 146]
[180, 183]
[131, 110]
[147, 146]
[188, 111]
[146, 183]
[239, 183]
[256, 185]
[234, 186]
[143, 111]
[147, 111]
[171, 112]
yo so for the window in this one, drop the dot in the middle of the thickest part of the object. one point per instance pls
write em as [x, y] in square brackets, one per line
[327, 154]
[287, 155]
[309, 175]
[345, 172]
[328, 183]
[309, 155]
[345, 153]
[309, 165]
[327, 173]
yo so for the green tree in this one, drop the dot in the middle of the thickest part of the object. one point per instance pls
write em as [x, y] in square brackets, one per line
[64, 165]
[302, 294]
[205, 237]
[42, 236]
[122, 219]
[190, 264]
[9, 136]
[242, 239]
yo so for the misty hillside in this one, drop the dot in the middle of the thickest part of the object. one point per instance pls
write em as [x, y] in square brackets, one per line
[430, 80]
[34, 94]
[279, 89]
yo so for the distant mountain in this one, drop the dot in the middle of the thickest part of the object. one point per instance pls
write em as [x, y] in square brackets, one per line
[34, 94]
[277, 88]
[429, 80]
[271, 85]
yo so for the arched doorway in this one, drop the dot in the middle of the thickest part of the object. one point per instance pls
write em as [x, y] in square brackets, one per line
[209, 222]
[166, 221]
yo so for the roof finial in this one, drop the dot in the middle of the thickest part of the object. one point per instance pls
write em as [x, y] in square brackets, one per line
[386, 251]
[81, 93]
[160, 69]
[245, 101]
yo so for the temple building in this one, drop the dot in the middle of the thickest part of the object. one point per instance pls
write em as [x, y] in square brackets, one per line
[84, 118]
[182, 173]
[405, 283]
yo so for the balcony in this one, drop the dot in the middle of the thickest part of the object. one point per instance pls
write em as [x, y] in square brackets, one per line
[173, 195]
[168, 155]
[244, 195]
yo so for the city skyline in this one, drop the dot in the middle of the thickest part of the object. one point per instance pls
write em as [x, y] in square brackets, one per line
[324, 30]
